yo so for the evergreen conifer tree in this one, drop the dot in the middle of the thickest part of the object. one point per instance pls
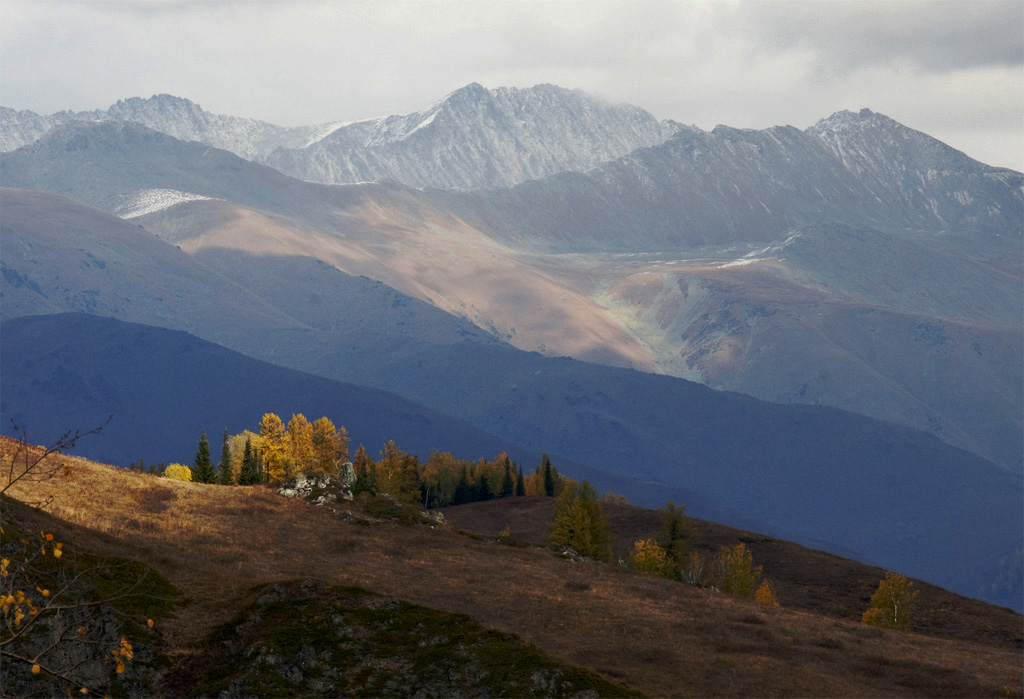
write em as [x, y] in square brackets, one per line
[520, 483]
[580, 523]
[366, 480]
[463, 491]
[203, 469]
[677, 531]
[549, 477]
[508, 484]
[224, 475]
[249, 473]
[483, 488]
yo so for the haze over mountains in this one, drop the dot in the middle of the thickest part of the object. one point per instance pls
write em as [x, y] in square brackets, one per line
[858, 264]
[488, 258]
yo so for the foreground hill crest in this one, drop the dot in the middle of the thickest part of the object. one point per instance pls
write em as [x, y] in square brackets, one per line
[316, 603]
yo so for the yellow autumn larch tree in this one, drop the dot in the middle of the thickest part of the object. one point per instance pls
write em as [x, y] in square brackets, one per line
[733, 571]
[272, 447]
[298, 442]
[330, 446]
[892, 603]
[441, 476]
[398, 473]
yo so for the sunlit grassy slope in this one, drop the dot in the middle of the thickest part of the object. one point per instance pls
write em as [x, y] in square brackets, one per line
[655, 636]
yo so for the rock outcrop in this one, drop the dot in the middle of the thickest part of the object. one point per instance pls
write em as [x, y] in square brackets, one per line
[319, 488]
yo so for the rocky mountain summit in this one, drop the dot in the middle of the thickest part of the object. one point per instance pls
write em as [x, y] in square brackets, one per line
[185, 120]
[472, 138]
[744, 186]
[477, 137]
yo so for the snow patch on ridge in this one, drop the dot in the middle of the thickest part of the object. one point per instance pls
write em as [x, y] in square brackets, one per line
[426, 122]
[325, 131]
[762, 254]
[148, 201]
[743, 261]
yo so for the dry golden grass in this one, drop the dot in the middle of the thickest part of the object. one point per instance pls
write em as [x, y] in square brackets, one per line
[804, 579]
[660, 637]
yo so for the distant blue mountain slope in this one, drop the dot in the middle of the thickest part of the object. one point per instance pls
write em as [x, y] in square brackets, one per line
[896, 496]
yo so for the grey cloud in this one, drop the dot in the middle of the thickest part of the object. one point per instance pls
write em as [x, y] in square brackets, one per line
[930, 35]
[749, 64]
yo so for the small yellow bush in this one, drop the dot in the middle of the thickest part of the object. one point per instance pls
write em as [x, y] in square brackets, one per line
[765, 595]
[733, 571]
[649, 557]
[178, 472]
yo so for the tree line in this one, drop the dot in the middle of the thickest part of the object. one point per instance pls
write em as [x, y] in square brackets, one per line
[280, 451]
[579, 523]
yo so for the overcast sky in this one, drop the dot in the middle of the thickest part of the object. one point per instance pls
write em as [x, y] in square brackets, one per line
[954, 69]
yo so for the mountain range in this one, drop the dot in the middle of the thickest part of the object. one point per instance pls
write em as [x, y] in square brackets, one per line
[473, 138]
[697, 301]
[857, 264]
